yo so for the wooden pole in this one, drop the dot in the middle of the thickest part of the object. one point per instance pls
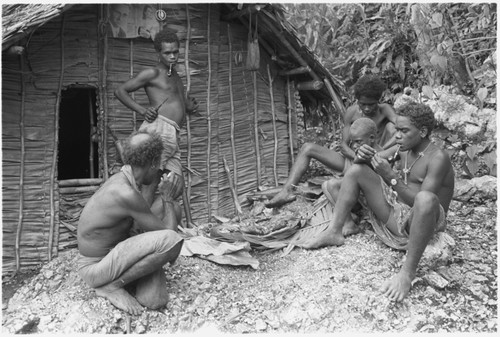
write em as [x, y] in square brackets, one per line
[209, 119]
[231, 99]
[186, 195]
[275, 132]
[80, 182]
[256, 125]
[131, 74]
[105, 104]
[78, 189]
[337, 102]
[310, 85]
[234, 194]
[21, 173]
[289, 111]
[296, 71]
[91, 142]
[53, 169]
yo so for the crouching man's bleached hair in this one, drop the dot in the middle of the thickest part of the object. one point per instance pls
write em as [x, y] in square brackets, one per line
[143, 152]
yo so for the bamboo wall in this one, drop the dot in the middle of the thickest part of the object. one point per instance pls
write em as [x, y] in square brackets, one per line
[212, 134]
[30, 89]
[234, 123]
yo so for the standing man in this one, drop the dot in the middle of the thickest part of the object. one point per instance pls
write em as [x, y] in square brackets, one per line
[110, 258]
[406, 207]
[168, 105]
[368, 91]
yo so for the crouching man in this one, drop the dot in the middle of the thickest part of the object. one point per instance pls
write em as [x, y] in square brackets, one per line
[406, 206]
[110, 258]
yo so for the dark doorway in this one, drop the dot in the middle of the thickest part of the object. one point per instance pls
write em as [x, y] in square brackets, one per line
[78, 154]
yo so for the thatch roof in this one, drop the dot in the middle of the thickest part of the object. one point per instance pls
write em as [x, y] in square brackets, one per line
[20, 20]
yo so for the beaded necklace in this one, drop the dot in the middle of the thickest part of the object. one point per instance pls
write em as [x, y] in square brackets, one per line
[406, 170]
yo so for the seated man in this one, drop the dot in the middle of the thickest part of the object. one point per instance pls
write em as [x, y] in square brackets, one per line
[362, 131]
[368, 91]
[406, 207]
[109, 257]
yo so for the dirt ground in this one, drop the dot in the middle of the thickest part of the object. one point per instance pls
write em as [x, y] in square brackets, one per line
[334, 289]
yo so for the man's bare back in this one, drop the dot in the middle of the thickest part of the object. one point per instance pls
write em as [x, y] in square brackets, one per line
[110, 257]
[104, 221]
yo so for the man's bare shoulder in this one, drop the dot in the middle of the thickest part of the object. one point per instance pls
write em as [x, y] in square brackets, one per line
[149, 73]
[438, 155]
[386, 108]
[119, 188]
[351, 113]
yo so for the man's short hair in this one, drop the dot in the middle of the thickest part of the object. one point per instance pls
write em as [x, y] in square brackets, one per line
[365, 125]
[165, 36]
[146, 152]
[370, 86]
[420, 115]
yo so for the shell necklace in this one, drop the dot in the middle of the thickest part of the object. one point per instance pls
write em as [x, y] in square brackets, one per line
[406, 170]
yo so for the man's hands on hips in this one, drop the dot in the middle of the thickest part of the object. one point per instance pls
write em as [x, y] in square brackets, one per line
[150, 114]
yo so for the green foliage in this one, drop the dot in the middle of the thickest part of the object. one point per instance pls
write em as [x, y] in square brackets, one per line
[353, 39]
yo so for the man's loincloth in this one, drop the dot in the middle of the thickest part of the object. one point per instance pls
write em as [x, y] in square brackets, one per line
[168, 130]
[98, 271]
[400, 218]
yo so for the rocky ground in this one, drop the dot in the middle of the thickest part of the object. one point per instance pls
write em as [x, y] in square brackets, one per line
[334, 289]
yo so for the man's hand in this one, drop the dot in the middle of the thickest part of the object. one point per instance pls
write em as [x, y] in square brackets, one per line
[150, 114]
[170, 186]
[382, 167]
[191, 105]
[365, 153]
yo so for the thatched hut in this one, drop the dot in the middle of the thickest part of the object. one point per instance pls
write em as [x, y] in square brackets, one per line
[60, 118]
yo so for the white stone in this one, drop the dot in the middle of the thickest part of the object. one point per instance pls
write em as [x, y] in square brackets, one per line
[260, 325]
[436, 280]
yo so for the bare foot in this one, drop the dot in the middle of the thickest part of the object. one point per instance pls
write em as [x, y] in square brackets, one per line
[350, 228]
[323, 240]
[120, 298]
[283, 197]
[398, 286]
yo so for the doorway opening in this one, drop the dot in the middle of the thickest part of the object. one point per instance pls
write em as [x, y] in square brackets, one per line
[78, 156]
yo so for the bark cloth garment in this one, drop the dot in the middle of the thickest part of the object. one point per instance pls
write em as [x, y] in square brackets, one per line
[98, 271]
[168, 130]
[400, 216]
